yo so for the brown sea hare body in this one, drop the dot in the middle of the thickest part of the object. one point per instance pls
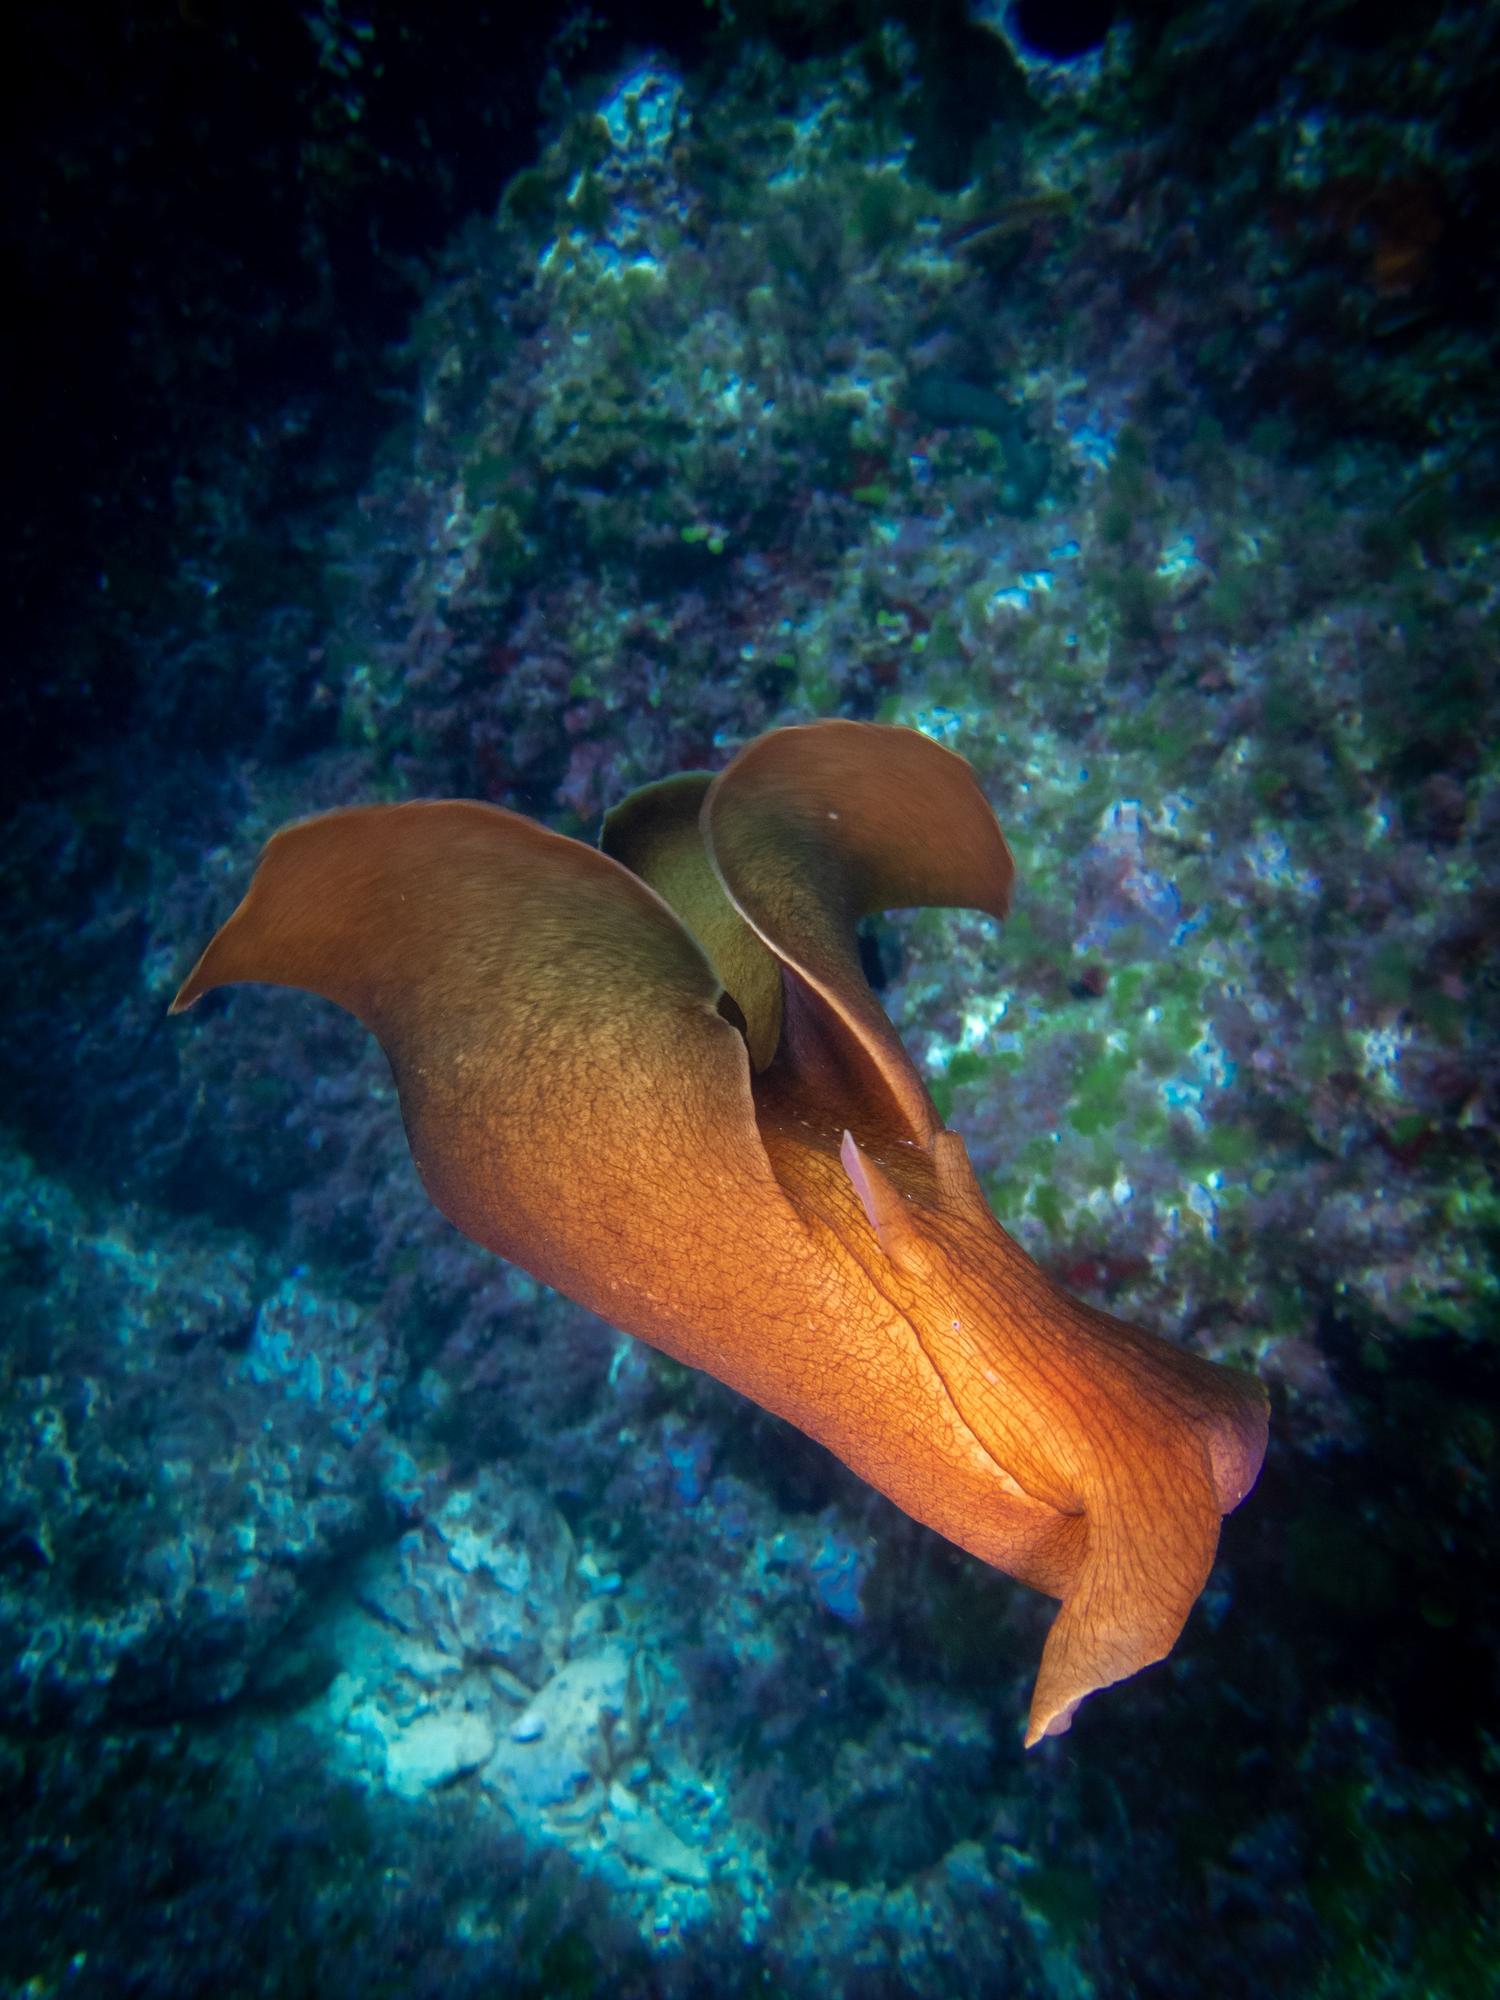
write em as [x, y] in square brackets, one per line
[655, 1076]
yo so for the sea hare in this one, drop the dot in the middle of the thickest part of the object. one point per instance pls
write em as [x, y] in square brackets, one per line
[655, 1076]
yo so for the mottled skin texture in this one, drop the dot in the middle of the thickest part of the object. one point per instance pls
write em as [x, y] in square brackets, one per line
[656, 1078]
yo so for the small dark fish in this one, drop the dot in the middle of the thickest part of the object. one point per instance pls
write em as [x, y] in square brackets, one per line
[1011, 219]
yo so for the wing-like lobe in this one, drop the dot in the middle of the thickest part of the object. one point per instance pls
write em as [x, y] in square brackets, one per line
[655, 834]
[812, 828]
[573, 1097]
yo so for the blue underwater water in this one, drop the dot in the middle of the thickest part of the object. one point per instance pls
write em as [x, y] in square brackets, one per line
[412, 404]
